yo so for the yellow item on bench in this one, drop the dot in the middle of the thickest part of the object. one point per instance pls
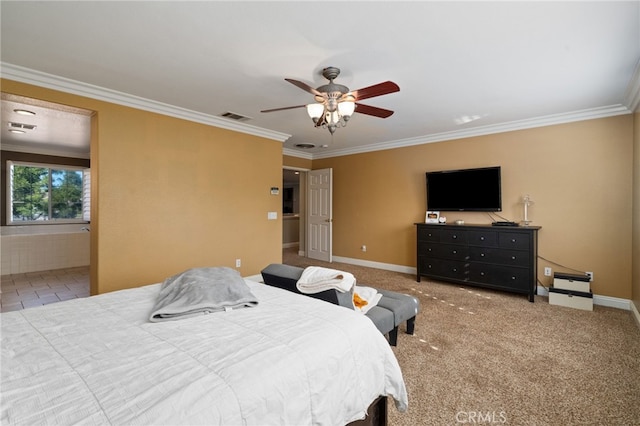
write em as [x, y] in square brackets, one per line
[358, 301]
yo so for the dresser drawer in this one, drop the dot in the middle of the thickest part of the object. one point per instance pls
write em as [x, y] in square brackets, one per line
[514, 240]
[499, 256]
[453, 236]
[500, 276]
[428, 234]
[455, 270]
[429, 266]
[483, 238]
[445, 251]
[450, 269]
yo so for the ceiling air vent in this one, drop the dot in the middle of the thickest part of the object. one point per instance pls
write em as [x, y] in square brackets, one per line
[234, 116]
[21, 126]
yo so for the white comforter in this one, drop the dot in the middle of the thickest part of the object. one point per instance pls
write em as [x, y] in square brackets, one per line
[292, 360]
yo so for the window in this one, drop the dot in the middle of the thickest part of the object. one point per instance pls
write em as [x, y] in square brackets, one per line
[40, 193]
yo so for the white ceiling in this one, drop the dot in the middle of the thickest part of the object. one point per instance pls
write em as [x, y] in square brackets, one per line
[506, 65]
[59, 129]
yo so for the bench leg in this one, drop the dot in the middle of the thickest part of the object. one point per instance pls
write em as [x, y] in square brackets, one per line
[393, 337]
[411, 323]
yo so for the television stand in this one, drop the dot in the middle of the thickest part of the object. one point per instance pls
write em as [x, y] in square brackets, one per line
[496, 257]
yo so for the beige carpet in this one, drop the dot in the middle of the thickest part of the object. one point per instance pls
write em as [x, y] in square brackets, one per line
[485, 357]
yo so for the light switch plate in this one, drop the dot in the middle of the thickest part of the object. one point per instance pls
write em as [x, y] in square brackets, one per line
[272, 215]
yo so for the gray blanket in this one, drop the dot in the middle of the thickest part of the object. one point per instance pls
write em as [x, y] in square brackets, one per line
[201, 291]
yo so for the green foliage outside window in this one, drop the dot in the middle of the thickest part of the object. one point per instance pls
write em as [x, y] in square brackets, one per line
[66, 194]
[44, 194]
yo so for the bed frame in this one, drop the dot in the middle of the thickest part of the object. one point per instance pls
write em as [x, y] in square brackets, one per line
[376, 414]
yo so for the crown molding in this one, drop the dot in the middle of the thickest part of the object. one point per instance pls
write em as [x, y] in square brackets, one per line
[298, 154]
[549, 120]
[50, 81]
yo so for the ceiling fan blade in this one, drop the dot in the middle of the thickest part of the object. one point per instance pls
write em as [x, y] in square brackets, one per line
[304, 86]
[375, 90]
[281, 109]
[374, 111]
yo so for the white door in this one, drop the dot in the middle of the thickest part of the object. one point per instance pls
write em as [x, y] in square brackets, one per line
[319, 215]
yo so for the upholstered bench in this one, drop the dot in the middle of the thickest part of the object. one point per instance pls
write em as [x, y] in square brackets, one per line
[404, 308]
[392, 309]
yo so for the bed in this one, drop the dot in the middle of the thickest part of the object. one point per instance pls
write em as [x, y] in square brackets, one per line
[289, 360]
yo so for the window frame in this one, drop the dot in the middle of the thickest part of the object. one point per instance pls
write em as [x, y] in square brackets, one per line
[86, 195]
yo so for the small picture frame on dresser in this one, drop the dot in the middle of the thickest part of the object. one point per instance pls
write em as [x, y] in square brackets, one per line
[432, 217]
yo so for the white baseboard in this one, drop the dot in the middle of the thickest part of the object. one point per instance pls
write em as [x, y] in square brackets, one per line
[377, 265]
[636, 314]
[289, 245]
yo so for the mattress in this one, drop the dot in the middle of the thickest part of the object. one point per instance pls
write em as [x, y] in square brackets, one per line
[289, 360]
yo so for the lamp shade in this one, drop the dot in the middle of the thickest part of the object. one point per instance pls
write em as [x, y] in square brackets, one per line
[346, 108]
[315, 110]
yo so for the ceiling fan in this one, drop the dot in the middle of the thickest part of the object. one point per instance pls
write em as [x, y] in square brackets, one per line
[335, 103]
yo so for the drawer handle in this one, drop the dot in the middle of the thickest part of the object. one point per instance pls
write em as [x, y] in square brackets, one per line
[454, 252]
[430, 234]
[513, 240]
[513, 258]
[481, 238]
[482, 274]
[513, 278]
[481, 254]
[455, 270]
[455, 237]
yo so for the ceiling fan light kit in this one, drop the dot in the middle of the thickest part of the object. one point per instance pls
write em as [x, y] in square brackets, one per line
[335, 104]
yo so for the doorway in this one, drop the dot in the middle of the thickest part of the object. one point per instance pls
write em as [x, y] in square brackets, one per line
[62, 142]
[294, 183]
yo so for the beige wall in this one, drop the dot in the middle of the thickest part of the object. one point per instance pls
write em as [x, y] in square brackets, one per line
[636, 212]
[170, 194]
[578, 174]
[296, 162]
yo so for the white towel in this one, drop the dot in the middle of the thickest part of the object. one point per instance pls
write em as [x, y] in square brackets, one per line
[315, 279]
[370, 295]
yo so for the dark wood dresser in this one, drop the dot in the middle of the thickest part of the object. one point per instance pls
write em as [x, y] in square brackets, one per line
[495, 257]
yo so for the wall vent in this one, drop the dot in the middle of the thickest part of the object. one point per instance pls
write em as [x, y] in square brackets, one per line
[22, 126]
[234, 116]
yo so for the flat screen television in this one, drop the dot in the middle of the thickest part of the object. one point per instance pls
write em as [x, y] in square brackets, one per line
[465, 190]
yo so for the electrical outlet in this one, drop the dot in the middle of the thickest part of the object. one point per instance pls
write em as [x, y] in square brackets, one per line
[590, 275]
[238, 263]
[363, 248]
[547, 272]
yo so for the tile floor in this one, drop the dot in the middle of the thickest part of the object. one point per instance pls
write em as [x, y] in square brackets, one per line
[21, 291]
